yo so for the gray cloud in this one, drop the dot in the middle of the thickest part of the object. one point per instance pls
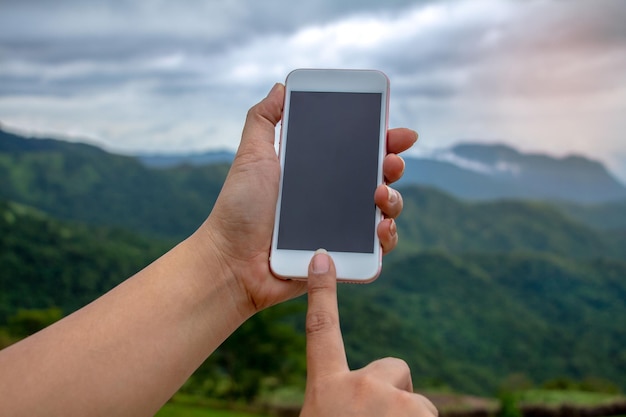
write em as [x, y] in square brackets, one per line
[173, 75]
[209, 20]
[70, 46]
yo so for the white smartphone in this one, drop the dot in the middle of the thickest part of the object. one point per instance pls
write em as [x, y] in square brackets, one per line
[332, 146]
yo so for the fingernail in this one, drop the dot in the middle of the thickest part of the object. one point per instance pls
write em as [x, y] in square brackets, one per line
[321, 262]
[416, 136]
[393, 229]
[392, 195]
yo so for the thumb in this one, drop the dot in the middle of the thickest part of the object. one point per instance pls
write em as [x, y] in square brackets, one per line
[262, 118]
[325, 349]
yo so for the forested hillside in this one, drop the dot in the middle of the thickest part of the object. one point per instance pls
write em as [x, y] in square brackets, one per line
[476, 292]
[47, 263]
[81, 182]
[470, 321]
[433, 219]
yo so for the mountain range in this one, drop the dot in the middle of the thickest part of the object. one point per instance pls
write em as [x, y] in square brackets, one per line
[75, 180]
[478, 172]
[479, 289]
[483, 172]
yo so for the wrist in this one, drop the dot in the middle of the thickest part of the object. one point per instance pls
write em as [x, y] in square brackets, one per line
[219, 269]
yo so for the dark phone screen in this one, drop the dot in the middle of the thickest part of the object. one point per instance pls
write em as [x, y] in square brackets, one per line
[330, 172]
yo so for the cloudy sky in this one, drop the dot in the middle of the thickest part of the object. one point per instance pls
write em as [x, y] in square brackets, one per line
[177, 76]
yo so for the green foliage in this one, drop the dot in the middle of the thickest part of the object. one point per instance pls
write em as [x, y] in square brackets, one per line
[432, 219]
[516, 382]
[26, 322]
[571, 397]
[264, 354]
[6, 339]
[602, 216]
[475, 293]
[471, 320]
[184, 410]
[509, 406]
[45, 263]
[82, 182]
[588, 384]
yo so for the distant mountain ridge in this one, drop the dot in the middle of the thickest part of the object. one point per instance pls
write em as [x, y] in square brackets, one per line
[469, 171]
[479, 172]
[163, 160]
[82, 182]
[482, 172]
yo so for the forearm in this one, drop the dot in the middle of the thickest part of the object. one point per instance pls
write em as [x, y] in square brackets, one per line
[129, 351]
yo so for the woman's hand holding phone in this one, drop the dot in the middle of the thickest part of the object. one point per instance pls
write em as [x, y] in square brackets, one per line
[241, 225]
[382, 388]
[239, 230]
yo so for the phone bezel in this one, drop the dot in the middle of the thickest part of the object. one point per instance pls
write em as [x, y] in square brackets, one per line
[350, 266]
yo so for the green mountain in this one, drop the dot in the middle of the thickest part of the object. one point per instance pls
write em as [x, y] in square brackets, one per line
[476, 292]
[462, 321]
[478, 171]
[432, 219]
[486, 172]
[47, 263]
[82, 182]
[605, 216]
[469, 321]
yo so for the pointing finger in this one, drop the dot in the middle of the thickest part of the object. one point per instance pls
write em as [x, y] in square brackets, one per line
[325, 349]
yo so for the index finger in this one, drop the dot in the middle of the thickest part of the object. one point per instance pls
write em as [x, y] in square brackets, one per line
[324, 345]
[400, 139]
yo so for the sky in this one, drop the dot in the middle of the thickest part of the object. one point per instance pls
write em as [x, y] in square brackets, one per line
[163, 76]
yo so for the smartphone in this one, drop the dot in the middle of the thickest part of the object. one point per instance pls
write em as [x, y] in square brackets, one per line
[332, 145]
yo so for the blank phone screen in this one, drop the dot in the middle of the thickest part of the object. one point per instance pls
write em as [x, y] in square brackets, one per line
[330, 172]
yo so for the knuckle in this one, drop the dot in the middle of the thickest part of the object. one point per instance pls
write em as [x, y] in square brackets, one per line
[256, 110]
[401, 363]
[366, 383]
[405, 399]
[396, 363]
[318, 287]
[400, 200]
[389, 242]
[397, 206]
[253, 113]
[320, 321]
[263, 112]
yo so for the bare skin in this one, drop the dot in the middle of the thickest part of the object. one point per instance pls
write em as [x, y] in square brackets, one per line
[129, 351]
[382, 388]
